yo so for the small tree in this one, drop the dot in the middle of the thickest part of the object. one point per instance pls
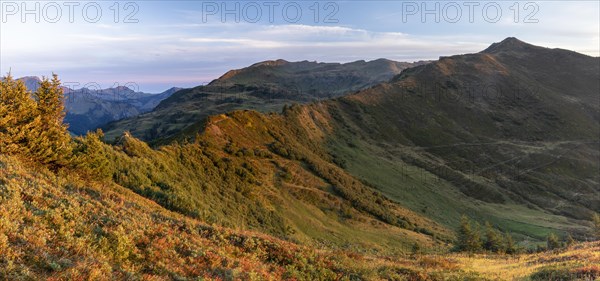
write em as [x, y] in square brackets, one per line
[570, 241]
[468, 238]
[552, 242]
[416, 249]
[91, 155]
[50, 141]
[17, 112]
[509, 244]
[596, 226]
[493, 240]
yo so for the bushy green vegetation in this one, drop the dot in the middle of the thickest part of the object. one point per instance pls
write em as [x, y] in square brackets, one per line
[31, 124]
[70, 228]
[556, 272]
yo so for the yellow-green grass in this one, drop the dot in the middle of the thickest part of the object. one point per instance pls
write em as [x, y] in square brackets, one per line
[520, 267]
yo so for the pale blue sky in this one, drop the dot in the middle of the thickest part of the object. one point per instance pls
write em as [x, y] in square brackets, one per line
[185, 43]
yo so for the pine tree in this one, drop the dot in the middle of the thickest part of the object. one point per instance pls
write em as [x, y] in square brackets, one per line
[493, 240]
[468, 238]
[17, 111]
[33, 126]
[552, 242]
[509, 244]
[596, 226]
[49, 139]
[91, 155]
[570, 241]
[416, 249]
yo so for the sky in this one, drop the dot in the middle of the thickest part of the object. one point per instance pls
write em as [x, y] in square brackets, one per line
[155, 45]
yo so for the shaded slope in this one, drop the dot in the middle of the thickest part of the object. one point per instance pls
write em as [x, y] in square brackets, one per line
[515, 125]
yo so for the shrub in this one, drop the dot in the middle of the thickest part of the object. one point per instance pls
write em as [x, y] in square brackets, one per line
[552, 242]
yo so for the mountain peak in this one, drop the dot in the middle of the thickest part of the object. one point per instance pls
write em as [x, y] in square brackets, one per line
[507, 45]
[271, 63]
[30, 78]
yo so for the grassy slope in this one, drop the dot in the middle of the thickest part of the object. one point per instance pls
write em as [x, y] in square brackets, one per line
[63, 227]
[265, 87]
[527, 164]
[80, 229]
[424, 192]
[416, 150]
[579, 262]
[234, 176]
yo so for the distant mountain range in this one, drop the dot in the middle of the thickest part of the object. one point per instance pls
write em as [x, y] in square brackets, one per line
[89, 109]
[265, 86]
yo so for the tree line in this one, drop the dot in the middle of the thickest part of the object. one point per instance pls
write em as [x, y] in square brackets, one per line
[472, 239]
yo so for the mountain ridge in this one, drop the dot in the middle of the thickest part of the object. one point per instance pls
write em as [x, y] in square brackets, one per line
[445, 120]
[264, 86]
[88, 109]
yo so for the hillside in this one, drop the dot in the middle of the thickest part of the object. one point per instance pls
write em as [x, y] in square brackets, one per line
[513, 128]
[508, 135]
[57, 228]
[52, 227]
[524, 158]
[265, 87]
[301, 198]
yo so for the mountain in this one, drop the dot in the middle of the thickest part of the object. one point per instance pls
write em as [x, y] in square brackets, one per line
[265, 86]
[508, 135]
[337, 189]
[315, 80]
[89, 109]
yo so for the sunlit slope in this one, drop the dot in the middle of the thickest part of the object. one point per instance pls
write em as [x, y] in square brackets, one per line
[265, 86]
[61, 226]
